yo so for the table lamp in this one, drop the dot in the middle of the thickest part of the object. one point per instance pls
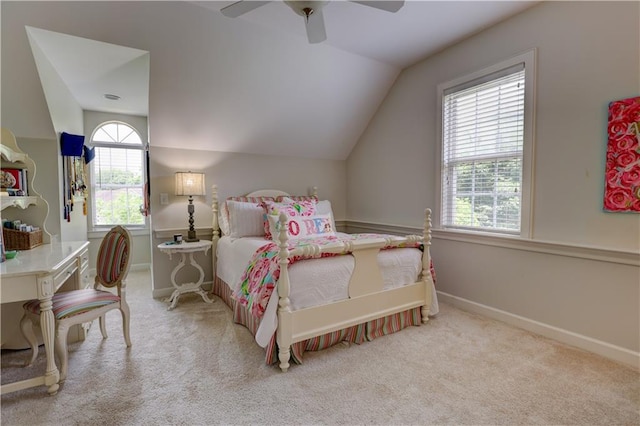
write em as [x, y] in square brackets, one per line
[189, 183]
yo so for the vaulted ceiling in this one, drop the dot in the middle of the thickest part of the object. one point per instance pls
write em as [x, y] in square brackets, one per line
[250, 84]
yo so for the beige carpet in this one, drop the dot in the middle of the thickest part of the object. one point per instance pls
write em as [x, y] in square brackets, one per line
[193, 366]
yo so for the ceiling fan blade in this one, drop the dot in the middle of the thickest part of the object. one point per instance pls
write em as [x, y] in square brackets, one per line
[241, 7]
[315, 27]
[389, 6]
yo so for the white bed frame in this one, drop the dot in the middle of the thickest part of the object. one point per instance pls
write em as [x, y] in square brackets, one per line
[367, 300]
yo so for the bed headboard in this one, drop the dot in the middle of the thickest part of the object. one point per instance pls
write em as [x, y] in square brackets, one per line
[278, 193]
[259, 193]
[268, 193]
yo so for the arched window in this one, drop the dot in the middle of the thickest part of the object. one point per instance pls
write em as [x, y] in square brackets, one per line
[117, 176]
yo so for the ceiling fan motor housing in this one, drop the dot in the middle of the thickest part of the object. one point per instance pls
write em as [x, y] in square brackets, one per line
[311, 11]
[305, 8]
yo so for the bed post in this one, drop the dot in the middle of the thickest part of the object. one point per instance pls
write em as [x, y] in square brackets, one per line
[426, 266]
[284, 331]
[314, 191]
[216, 232]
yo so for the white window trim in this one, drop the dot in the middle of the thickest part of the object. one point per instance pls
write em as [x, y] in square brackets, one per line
[528, 152]
[101, 230]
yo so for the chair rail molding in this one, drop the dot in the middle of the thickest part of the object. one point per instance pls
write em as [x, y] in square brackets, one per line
[602, 254]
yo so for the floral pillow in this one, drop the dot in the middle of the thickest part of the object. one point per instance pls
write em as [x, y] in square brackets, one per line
[322, 206]
[303, 226]
[291, 209]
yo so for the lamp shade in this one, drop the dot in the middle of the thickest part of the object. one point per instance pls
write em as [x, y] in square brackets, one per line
[189, 183]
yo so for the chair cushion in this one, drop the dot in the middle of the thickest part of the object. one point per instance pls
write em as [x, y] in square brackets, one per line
[69, 303]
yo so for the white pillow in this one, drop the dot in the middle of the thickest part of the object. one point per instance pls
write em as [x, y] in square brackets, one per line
[223, 220]
[304, 226]
[245, 219]
[324, 207]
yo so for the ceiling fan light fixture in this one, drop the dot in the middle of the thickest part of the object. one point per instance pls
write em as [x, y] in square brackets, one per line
[307, 12]
[305, 8]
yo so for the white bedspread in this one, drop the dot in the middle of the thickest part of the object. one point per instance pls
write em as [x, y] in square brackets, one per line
[314, 282]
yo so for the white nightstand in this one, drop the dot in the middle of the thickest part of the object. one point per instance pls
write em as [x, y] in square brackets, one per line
[184, 249]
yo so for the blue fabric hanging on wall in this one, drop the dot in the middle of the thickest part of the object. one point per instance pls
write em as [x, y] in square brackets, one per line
[89, 154]
[71, 145]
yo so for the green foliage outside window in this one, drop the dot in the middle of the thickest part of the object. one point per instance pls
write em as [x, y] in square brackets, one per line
[118, 177]
[488, 193]
[119, 207]
[118, 197]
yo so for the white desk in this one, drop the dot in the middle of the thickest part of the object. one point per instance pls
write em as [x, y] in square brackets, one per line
[37, 274]
[184, 249]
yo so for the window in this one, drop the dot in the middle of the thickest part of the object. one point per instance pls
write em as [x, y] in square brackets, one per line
[486, 149]
[117, 176]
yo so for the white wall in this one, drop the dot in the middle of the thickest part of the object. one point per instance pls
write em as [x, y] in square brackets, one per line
[234, 174]
[588, 55]
[191, 50]
[66, 116]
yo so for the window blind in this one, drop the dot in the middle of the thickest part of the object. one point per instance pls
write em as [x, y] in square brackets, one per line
[483, 137]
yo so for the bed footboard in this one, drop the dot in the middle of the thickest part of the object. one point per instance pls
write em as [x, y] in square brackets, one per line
[427, 277]
[367, 299]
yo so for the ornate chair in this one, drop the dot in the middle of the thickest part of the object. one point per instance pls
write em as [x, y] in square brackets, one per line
[81, 306]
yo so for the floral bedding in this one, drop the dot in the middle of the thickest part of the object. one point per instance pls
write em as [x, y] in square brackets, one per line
[262, 274]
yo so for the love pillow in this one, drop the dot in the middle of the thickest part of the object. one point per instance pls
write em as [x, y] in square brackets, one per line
[302, 208]
[304, 226]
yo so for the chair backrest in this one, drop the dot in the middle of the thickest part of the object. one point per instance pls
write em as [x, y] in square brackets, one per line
[112, 265]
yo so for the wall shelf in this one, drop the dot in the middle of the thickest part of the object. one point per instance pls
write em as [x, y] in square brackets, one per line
[21, 202]
[32, 208]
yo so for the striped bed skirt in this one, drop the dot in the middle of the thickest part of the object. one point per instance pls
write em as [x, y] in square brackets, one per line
[355, 334]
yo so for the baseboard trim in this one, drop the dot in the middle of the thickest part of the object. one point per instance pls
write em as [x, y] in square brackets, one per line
[132, 268]
[140, 267]
[161, 293]
[607, 350]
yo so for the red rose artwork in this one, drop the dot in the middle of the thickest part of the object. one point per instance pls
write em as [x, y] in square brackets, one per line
[622, 175]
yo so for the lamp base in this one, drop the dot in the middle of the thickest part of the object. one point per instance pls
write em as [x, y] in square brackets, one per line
[191, 237]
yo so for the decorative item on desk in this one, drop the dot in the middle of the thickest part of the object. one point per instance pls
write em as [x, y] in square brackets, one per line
[14, 239]
[191, 184]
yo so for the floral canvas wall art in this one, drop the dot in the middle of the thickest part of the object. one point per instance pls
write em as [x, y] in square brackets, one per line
[622, 173]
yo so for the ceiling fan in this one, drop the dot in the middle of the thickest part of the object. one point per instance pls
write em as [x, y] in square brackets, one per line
[311, 11]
